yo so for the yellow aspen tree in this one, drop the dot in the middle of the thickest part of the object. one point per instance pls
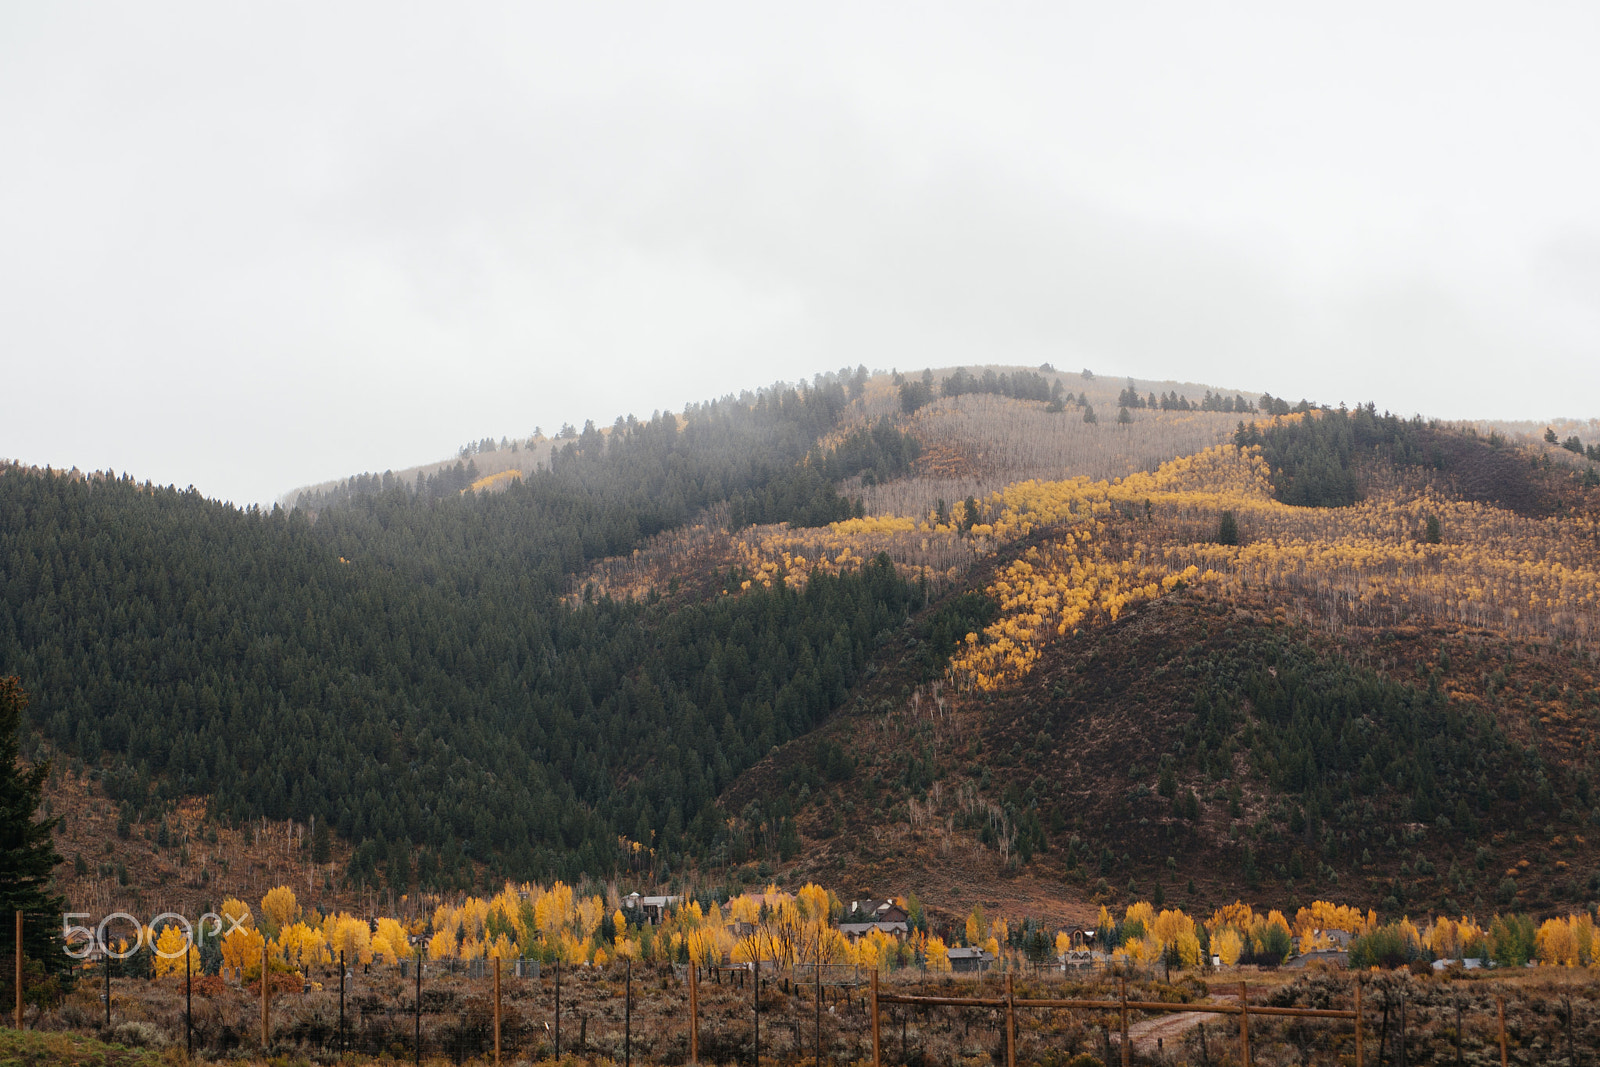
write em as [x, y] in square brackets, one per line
[501, 948]
[170, 952]
[236, 911]
[382, 951]
[351, 936]
[442, 945]
[977, 928]
[241, 951]
[395, 934]
[1228, 945]
[279, 908]
[1556, 944]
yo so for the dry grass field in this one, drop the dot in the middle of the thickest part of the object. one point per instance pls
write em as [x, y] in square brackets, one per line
[1548, 1011]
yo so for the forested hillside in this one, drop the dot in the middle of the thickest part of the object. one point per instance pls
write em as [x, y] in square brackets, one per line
[1350, 655]
[400, 664]
[697, 643]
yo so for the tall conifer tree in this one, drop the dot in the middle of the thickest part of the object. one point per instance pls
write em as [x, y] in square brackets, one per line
[27, 851]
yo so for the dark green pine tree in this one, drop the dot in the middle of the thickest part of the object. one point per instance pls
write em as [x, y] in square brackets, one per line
[1228, 529]
[321, 842]
[27, 850]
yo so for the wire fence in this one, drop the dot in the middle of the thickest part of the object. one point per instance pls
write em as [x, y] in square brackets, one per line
[462, 1011]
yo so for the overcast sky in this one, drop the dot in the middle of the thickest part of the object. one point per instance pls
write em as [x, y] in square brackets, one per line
[253, 246]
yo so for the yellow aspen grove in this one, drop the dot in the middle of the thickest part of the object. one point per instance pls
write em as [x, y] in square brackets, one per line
[395, 936]
[352, 936]
[1557, 943]
[300, 946]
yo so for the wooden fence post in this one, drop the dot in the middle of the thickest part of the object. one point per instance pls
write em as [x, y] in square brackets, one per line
[877, 1059]
[1244, 1024]
[694, 1012]
[1360, 1062]
[1011, 1024]
[497, 1011]
[1122, 992]
[264, 984]
[1500, 1003]
[1403, 999]
[818, 1004]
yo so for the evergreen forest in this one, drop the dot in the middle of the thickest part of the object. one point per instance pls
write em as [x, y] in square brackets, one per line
[396, 660]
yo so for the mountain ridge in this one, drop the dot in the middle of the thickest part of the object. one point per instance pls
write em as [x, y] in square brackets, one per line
[614, 631]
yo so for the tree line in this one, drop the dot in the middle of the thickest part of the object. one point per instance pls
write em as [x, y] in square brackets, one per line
[1017, 385]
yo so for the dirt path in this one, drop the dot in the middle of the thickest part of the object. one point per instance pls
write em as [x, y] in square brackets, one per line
[1171, 1028]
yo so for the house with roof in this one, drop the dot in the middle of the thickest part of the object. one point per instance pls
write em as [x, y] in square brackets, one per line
[970, 960]
[884, 916]
[650, 909]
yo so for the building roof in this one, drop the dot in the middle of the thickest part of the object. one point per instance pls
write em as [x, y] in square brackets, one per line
[873, 907]
[858, 929]
[970, 954]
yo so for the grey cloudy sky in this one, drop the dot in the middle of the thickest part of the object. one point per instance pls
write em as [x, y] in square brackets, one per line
[249, 247]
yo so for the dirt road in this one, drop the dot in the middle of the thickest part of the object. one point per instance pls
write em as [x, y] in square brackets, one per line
[1170, 1029]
